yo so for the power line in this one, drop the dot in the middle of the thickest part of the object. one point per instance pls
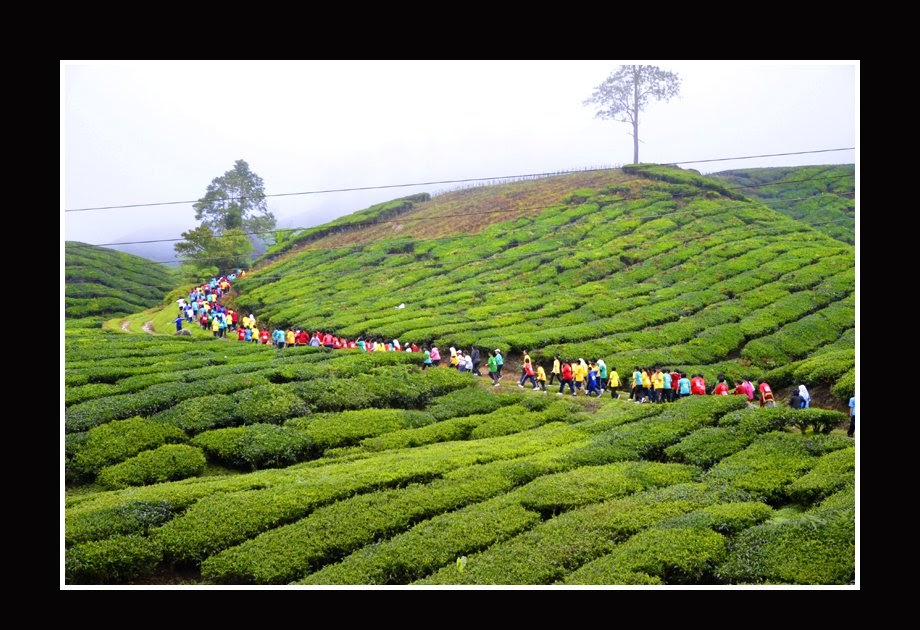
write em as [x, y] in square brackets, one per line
[450, 181]
[441, 238]
[448, 216]
[372, 222]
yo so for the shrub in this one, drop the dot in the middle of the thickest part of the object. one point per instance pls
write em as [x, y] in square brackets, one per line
[704, 447]
[254, 446]
[814, 547]
[677, 555]
[347, 428]
[112, 561]
[589, 484]
[201, 414]
[831, 473]
[118, 440]
[268, 404]
[766, 467]
[167, 463]
[133, 517]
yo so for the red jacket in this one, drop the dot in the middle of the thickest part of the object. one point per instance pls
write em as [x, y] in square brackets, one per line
[566, 372]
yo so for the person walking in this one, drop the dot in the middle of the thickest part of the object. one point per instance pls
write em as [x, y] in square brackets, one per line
[766, 394]
[805, 396]
[602, 376]
[541, 378]
[529, 375]
[427, 362]
[566, 378]
[476, 359]
[614, 383]
[435, 356]
[493, 368]
[499, 362]
[526, 370]
[593, 380]
[555, 372]
[852, 430]
[667, 391]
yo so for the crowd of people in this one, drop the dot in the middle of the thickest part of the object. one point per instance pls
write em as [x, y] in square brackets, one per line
[592, 378]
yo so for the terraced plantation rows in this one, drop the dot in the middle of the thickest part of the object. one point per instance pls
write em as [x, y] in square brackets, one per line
[192, 460]
[677, 270]
[100, 281]
[227, 463]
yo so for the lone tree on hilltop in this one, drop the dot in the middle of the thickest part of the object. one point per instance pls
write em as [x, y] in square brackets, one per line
[627, 91]
[233, 213]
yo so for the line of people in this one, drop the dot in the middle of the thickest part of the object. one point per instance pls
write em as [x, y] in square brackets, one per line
[648, 385]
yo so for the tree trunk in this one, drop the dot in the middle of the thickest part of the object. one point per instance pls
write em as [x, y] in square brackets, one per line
[635, 118]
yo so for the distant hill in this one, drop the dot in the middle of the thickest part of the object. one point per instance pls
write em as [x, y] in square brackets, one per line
[100, 281]
[821, 196]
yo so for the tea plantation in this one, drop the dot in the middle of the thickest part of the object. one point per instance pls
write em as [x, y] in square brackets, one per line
[204, 461]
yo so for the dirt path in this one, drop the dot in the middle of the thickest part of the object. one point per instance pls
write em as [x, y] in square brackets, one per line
[124, 326]
[148, 327]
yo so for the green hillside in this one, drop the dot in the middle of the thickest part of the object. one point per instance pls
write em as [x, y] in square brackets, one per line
[821, 196]
[647, 266]
[100, 281]
[205, 461]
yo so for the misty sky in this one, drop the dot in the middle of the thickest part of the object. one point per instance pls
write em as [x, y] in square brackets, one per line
[144, 132]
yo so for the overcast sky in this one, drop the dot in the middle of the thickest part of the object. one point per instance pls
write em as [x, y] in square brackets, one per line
[145, 132]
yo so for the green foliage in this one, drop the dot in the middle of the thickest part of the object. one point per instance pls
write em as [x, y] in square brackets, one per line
[675, 556]
[254, 446]
[845, 387]
[832, 472]
[589, 484]
[705, 447]
[200, 414]
[133, 517]
[116, 560]
[408, 470]
[99, 281]
[429, 545]
[347, 428]
[117, 441]
[268, 404]
[166, 463]
[816, 547]
[766, 467]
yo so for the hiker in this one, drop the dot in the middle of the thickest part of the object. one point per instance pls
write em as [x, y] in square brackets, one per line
[555, 373]
[493, 368]
[766, 394]
[614, 383]
[541, 378]
[475, 360]
[566, 378]
[805, 396]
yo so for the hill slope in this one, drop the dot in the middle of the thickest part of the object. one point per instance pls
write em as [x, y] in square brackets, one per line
[820, 196]
[647, 266]
[211, 461]
[100, 281]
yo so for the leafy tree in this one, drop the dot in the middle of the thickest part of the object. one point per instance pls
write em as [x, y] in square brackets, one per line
[207, 251]
[627, 91]
[233, 208]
